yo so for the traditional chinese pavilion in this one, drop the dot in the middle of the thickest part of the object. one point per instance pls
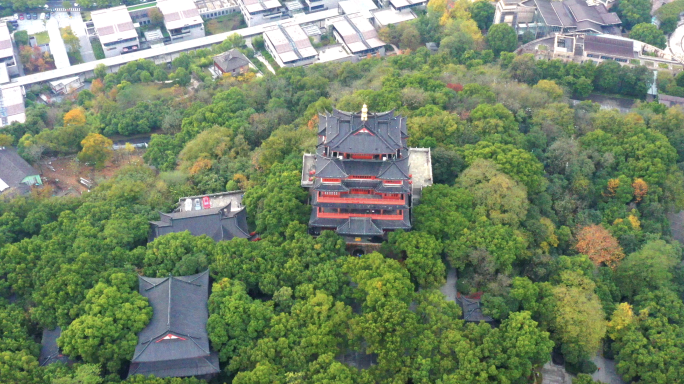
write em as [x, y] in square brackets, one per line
[359, 177]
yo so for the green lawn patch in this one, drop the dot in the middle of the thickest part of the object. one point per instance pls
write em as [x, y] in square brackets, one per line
[42, 38]
[224, 23]
[663, 65]
[142, 6]
[97, 49]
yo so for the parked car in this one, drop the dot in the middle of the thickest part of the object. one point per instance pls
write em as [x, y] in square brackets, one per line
[35, 16]
[28, 16]
[47, 15]
[21, 16]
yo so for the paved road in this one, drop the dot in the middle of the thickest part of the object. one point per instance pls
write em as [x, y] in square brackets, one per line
[606, 372]
[263, 60]
[449, 288]
[79, 28]
[675, 42]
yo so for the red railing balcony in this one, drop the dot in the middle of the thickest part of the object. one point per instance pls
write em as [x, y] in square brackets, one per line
[361, 200]
[324, 215]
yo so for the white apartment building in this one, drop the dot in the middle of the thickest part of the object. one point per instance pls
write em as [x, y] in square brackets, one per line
[356, 34]
[182, 19]
[258, 12]
[11, 106]
[115, 30]
[289, 45]
[7, 51]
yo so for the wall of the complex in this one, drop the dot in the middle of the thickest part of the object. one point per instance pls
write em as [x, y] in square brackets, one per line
[114, 49]
[188, 33]
[212, 14]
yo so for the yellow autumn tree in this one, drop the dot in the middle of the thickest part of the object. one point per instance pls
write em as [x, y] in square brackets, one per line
[6, 140]
[97, 149]
[599, 245]
[200, 165]
[640, 189]
[622, 318]
[75, 117]
[613, 185]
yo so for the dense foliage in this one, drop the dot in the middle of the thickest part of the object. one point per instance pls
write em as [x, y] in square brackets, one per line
[558, 215]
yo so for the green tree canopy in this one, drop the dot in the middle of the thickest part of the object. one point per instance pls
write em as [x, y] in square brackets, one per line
[649, 34]
[112, 316]
[502, 38]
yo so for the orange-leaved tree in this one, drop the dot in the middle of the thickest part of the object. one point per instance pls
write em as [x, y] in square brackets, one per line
[75, 117]
[640, 189]
[599, 245]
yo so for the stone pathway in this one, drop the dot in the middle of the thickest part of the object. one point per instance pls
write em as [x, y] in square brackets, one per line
[268, 65]
[449, 288]
[606, 373]
[79, 28]
[555, 374]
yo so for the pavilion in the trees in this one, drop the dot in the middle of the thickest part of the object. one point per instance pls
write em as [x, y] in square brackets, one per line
[361, 178]
[175, 342]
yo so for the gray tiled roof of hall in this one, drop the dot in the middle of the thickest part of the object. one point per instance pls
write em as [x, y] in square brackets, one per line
[175, 342]
[386, 170]
[346, 132]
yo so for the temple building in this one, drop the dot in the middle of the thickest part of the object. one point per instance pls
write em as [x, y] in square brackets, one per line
[220, 216]
[361, 178]
[175, 342]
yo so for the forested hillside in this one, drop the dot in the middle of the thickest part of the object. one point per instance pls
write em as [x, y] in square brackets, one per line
[556, 212]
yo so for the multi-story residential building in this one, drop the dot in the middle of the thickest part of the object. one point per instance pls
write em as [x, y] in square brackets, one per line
[7, 51]
[406, 5]
[182, 19]
[319, 5]
[258, 12]
[360, 180]
[543, 17]
[12, 105]
[356, 34]
[114, 27]
[289, 45]
[211, 9]
[580, 47]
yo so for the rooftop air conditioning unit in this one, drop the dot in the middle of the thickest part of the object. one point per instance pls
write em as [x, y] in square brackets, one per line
[384, 158]
[339, 157]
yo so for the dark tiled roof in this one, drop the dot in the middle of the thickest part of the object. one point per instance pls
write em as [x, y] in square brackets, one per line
[316, 221]
[548, 13]
[14, 169]
[199, 366]
[359, 226]
[563, 13]
[584, 26]
[472, 310]
[571, 13]
[219, 223]
[330, 168]
[670, 100]
[231, 60]
[395, 170]
[49, 351]
[386, 170]
[175, 342]
[346, 132]
[608, 46]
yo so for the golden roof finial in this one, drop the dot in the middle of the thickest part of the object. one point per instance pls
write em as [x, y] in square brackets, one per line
[364, 113]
